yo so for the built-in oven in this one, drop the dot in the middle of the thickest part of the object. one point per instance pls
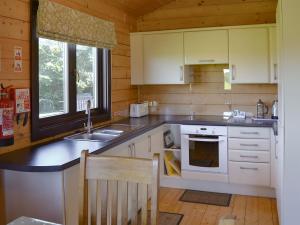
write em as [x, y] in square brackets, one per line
[204, 148]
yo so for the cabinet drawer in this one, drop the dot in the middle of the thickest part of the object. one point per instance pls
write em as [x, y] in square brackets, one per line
[249, 144]
[249, 173]
[249, 156]
[249, 132]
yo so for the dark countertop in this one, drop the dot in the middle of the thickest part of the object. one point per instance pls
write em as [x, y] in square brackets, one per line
[62, 154]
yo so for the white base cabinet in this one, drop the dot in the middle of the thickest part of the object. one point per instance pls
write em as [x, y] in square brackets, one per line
[120, 150]
[249, 173]
[249, 156]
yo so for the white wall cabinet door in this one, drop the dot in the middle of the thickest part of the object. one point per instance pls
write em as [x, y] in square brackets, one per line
[163, 58]
[273, 55]
[206, 47]
[249, 55]
[136, 59]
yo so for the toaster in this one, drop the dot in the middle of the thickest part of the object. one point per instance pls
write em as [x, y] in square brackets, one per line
[139, 109]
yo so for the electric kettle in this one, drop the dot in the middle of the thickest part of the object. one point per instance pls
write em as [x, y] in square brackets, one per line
[261, 109]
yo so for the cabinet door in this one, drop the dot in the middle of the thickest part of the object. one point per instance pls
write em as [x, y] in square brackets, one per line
[136, 58]
[71, 198]
[163, 58]
[249, 55]
[141, 147]
[273, 55]
[249, 173]
[157, 142]
[120, 150]
[274, 161]
[206, 47]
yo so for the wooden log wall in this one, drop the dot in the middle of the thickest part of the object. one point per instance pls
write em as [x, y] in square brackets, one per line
[206, 94]
[208, 13]
[15, 31]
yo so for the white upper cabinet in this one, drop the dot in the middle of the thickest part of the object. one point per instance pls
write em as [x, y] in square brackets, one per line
[273, 55]
[163, 58]
[136, 58]
[206, 47]
[249, 55]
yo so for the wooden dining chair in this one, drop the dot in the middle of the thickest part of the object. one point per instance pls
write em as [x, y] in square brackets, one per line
[113, 197]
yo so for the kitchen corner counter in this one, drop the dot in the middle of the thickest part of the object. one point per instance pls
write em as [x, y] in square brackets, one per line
[62, 154]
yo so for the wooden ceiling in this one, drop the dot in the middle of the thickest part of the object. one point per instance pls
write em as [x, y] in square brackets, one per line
[138, 7]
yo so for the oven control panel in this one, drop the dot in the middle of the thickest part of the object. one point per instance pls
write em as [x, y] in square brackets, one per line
[204, 130]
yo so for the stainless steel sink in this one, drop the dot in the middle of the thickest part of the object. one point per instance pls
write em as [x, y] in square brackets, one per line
[99, 137]
[104, 134]
[108, 132]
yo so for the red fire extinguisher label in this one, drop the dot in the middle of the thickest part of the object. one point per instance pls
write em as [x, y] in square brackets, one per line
[6, 122]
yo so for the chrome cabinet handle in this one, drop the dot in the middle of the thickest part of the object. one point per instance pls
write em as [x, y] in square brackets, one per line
[149, 144]
[244, 132]
[249, 145]
[133, 150]
[275, 72]
[206, 60]
[276, 149]
[204, 140]
[130, 150]
[249, 156]
[248, 168]
[181, 73]
[233, 72]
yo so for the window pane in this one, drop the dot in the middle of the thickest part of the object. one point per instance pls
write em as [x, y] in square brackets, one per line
[52, 78]
[86, 66]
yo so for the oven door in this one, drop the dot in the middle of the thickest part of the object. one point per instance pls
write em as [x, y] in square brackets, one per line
[204, 153]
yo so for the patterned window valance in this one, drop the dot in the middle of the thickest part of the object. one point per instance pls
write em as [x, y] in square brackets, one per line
[58, 22]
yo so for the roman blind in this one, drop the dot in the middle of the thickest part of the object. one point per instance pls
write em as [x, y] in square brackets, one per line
[61, 23]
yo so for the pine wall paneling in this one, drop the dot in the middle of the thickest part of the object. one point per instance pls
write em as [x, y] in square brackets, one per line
[208, 13]
[15, 31]
[138, 7]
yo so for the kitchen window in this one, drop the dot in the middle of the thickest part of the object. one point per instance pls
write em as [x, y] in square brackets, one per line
[64, 77]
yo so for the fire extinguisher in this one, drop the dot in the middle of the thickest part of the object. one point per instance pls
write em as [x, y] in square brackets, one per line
[6, 118]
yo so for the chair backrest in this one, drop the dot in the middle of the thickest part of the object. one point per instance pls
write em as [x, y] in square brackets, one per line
[120, 190]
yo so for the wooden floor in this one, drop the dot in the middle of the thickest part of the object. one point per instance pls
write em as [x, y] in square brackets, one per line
[247, 210]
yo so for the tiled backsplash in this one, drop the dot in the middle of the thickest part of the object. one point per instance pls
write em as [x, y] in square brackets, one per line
[205, 95]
